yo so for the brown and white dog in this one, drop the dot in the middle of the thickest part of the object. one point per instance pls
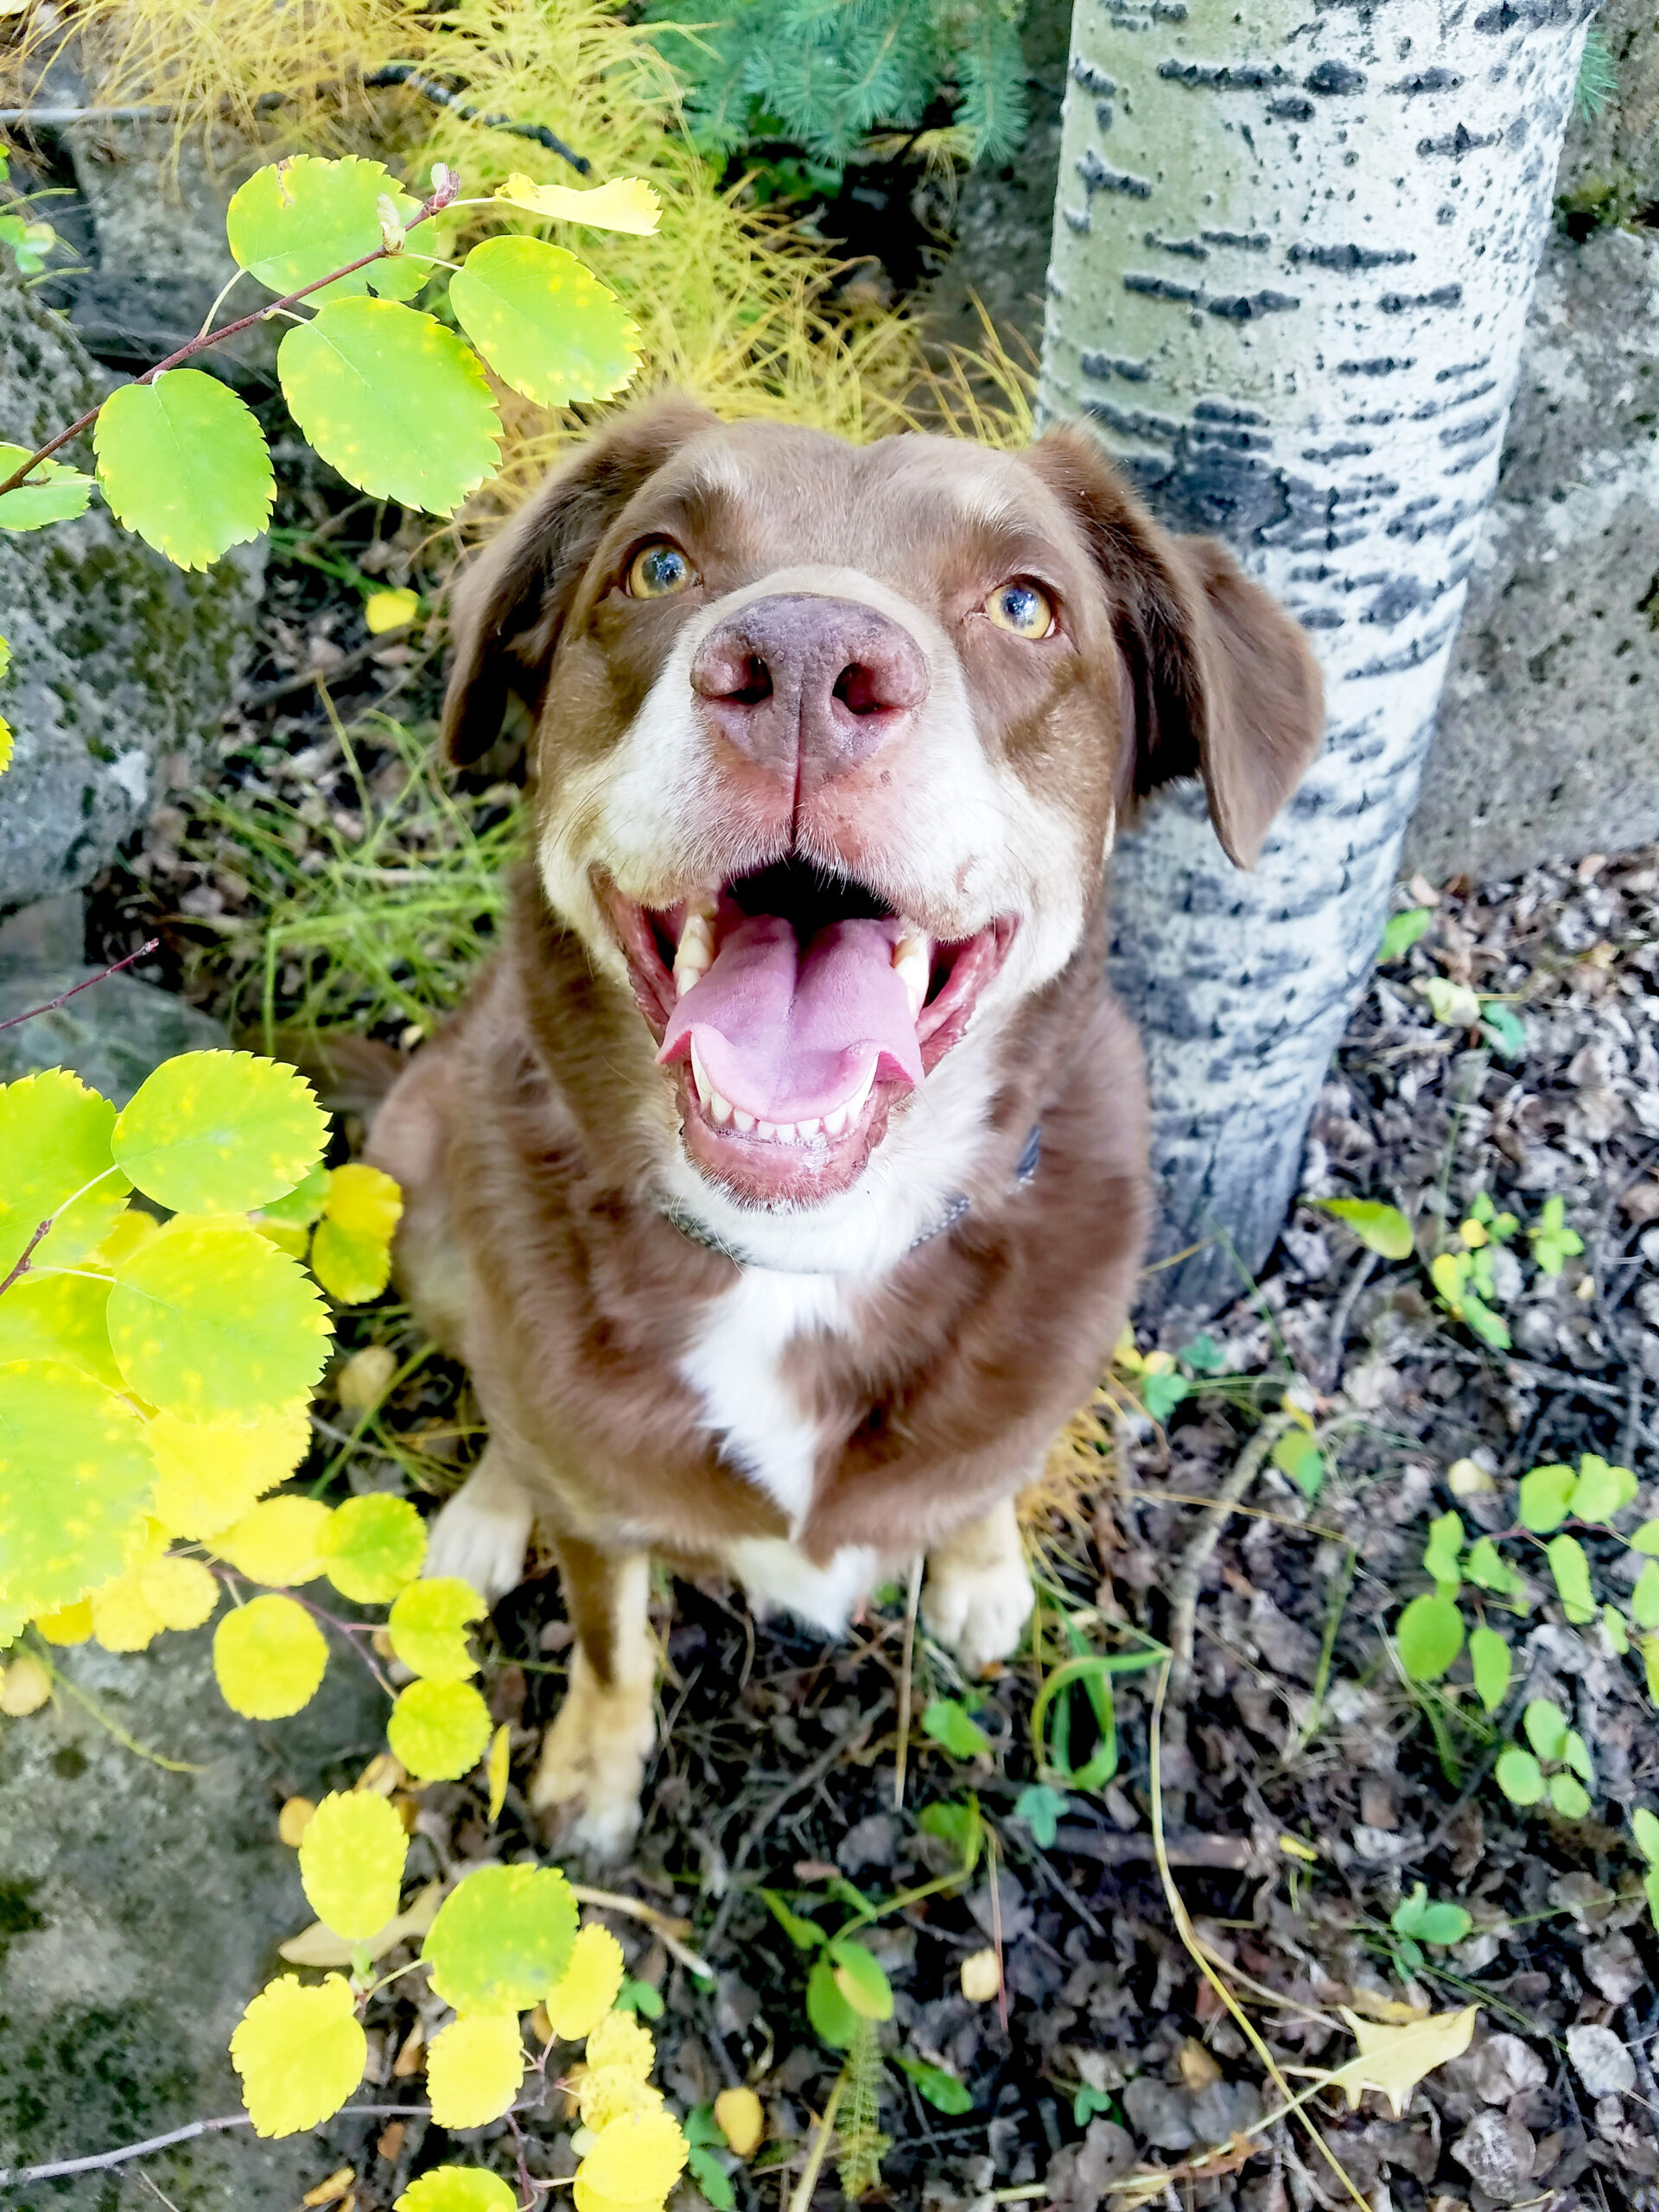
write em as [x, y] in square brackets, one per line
[783, 1184]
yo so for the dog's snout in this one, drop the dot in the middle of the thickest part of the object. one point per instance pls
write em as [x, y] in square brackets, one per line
[803, 684]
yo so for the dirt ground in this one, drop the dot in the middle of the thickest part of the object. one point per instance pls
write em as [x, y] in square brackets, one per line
[1308, 1784]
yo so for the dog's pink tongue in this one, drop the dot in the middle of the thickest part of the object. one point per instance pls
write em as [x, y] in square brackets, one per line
[787, 1033]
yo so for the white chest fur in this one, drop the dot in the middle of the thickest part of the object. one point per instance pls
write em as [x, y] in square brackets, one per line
[735, 1365]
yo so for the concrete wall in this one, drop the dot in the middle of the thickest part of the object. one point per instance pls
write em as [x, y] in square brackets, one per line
[1547, 743]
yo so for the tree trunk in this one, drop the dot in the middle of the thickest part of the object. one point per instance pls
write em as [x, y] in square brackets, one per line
[1293, 251]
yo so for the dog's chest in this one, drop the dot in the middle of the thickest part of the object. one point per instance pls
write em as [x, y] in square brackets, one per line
[736, 1367]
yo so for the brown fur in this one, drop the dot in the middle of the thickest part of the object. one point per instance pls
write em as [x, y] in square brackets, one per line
[531, 1135]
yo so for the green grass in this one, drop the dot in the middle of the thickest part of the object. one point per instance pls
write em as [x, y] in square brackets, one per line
[378, 931]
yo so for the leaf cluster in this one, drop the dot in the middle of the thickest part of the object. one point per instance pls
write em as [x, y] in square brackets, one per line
[1465, 1275]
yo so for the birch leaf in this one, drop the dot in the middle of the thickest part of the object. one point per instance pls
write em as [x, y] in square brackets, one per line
[75, 1471]
[372, 1547]
[301, 2052]
[52, 492]
[184, 465]
[351, 1863]
[473, 2068]
[544, 321]
[627, 203]
[270, 1658]
[457, 2188]
[428, 1627]
[1393, 2060]
[219, 1132]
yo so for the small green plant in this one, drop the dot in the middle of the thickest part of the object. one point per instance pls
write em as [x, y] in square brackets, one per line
[952, 1726]
[1597, 81]
[26, 237]
[1416, 1920]
[823, 75]
[1162, 1379]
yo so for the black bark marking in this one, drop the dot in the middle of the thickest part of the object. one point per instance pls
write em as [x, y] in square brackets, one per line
[1344, 449]
[1226, 411]
[1225, 77]
[1251, 241]
[1536, 14]
[1091, 79]
[1319, 618]
[1161, 287]
[1193, 249]
[1429, 80]
[1443, 296]
[1334, 76]
[1094, 363]
[1456, 144]
[1079, 219]
[1293, 109]
[1460, 433]
[1132, 421]
[1249, 307]
[1103, 115]
[1097, 177]
[1464, 369]
[1348, 256]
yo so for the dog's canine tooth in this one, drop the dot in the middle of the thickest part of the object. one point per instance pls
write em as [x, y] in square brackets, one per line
[834, 1123]
[721, 1109]
[700, 1077]
[913, 958]
[694, 956]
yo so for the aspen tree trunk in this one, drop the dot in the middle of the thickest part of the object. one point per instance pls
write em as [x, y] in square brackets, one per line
[1292, 256]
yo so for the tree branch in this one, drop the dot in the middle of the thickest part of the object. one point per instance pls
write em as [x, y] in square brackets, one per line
[52, 1005]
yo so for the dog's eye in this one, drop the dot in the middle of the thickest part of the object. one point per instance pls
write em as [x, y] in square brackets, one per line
[1023, 608]
[658, 571]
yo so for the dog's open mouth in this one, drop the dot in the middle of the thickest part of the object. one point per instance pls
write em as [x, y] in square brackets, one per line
[798, 1007]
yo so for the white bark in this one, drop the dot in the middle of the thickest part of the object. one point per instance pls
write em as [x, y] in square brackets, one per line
[1293, 251]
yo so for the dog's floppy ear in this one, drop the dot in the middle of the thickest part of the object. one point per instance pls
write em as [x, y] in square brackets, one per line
[507, 608]
[1223, 683]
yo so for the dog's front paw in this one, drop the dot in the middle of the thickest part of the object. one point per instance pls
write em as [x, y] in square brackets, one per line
[480, 1536]
[593, 1765]
[977, 1611]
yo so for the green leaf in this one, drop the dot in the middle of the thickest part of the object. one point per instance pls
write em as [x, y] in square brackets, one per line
[351, 1863]
[1477, 1317]
[76, 1472]
[301, 1206]
[61, 1316]
[298, 219]
[959, 1825]
[1545, 1728]
[1449, 1273]
[1490, 1662]
[1430, 1924]
[54, 1138]
[1519, 1776]
[832, 2017]
[428, 1627]
[1203, 1354]
[393, 401]
[1645, 1598]
[710, 2178]
[457, 2188]
[544, 321]
[1041, 1808]
[1505, 1031]
[270, 1658]
[1402, 931]
[1651, 1887]
[1161, 1392]
[1443, 1551]
[184, 465]
[1088, 2103]
[949, 1723]
[221, 1132]
[1646, 1539]
[52, 492]
[942, 2090]
[1575, 1753]
[1429, 1634]
[1553, 1242]
[1612, 1622]
[1569, 1798]
[439, 1730]
[209, 1320]
[640, 1997]
[1544, 1496]
[1650, 1665]
[805, 1935]
[1488, 1569]
[1571, 1568]
[1382, 1229]
[1644, 1827]
[1601, 1492]
[373, 1548]
[502, 1939]
[1297, 1455]
[859, 1980]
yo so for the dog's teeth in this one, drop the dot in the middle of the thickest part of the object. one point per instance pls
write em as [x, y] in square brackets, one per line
[695, 954]
[741, 1121]
[700, 1077]
[804, 1129]
[913, 958]
[834, 1123]
[776, 1132]
[721, 1109]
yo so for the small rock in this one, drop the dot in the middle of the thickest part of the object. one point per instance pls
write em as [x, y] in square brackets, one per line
[1497, 2153]
[1601, 2060]
[1504, 2066]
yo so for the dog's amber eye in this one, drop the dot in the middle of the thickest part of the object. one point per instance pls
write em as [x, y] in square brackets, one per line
[658, 571]
[1022, 607]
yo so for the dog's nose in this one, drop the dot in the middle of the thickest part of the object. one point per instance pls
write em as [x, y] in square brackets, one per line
[800, 683]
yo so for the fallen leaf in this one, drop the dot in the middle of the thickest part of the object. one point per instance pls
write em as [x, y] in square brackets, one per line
[1600, 2061]
[1393, 2059]
[317, 1946]
[741, 2119]
[330, 2191]
[294, 1820]
[980, 1977]
[1198, 2066]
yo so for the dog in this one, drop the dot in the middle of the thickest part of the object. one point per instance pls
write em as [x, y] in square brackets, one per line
[783, 1182]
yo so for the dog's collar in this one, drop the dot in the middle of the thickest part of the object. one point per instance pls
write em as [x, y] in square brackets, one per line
[955, 1210]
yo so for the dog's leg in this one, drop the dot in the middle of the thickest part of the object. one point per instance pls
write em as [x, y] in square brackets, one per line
[596, 1750]
[978, 1596]
[481, 1534]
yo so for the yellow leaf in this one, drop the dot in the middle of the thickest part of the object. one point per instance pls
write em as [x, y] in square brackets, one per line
[270, 1658]
[741, 2119]
[473, 2068]
[636, 2160]
[337, 2185]
[428, 1627]
[211, 1472]
[627, 203]
[294, 1820]
[350, 1252]
[5, 745]
[439, 1729]
[372, 1547]
[301, 2052]
[495, 1768]
[365, 1377]
[1393, 2059]
[982, 1977]
[605, 2094]
[351, 1863]
[618, 2040]
[153, 1592]
[457, 2188]
[586, 1991]
[317, 1946]
[69, 1624]
[280, 1541]
[25, 1686]
[390, 610]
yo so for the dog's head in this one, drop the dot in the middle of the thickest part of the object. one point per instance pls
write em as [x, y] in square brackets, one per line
[832, 742]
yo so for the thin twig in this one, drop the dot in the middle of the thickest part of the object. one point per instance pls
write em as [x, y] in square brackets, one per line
[905, 1661]
[20, 2176]
[808, 1778]
[1335, 1342]
[114, 969]
[400, 73]
[660, 1923]
[29, 1251]
[802, 2199]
